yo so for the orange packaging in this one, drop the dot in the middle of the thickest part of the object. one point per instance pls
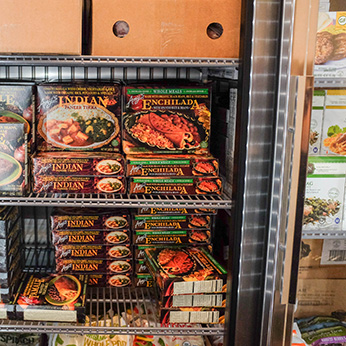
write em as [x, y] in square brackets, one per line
[166, 28]
[41, 27]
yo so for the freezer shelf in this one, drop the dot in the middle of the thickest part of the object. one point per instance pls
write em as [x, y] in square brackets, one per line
[112, 200]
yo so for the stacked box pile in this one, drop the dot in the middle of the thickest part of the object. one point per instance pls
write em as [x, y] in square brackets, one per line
[11, 240]
[93, 241]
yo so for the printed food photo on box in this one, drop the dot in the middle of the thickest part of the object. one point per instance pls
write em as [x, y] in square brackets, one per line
[316, 122]
[166, 119]
[79, 117]
[330, 56]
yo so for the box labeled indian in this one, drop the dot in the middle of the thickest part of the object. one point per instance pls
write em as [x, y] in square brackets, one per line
[56, 298]
[79, 184]
[316, 122]
[161, 119]
[94, 237]
[13, 158]
[175, 186]
[324, 194]
[76, 163]
[89, 219]
[169, 222]
[78, 117]
[110, 280]
[175, 211]
[76, 251]
[330, 56]
[185, 270]
[94, 266]
[172, 165]
[191, 236]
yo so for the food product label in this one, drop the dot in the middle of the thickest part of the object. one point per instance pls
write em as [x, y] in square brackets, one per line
[202, 300]
[316, 122]
[334, 252]
[159, 211]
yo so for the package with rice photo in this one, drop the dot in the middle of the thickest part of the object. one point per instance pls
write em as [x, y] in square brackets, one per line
[316, 122]
[324, 194]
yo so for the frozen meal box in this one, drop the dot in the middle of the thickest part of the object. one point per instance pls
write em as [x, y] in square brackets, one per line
[37, 27]
[324, 193]
[110, 280]
[171, 211]
[330, 56]
[76, 163]
[191, 236]
[13, 158]
[94, 266]
[168, 222]
[76, 251]
[141, 267]
[175, 186]
[94, 237]
[143, 280]
[78, 117]
[78, 184]
[320, 297]
[56, 298]
[172, 165]
[334, 123]
[183, 29]
[159, 119]
[316, 122]
[185, 270]
[322, 259]
[194, 300]
[89, 219]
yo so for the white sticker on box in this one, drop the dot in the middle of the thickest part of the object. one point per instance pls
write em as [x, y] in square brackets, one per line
[333, 252]
[204, 316]
[179, 316]
[183, 300]
[184, 287]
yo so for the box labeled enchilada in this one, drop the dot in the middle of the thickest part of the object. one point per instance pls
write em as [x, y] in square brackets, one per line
[171, 211]
[169, 222]
[78, 117]
[172, 165]
[175, 186]
[161, 119]
[76, 163]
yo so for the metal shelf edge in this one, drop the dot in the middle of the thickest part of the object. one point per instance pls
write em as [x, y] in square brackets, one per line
[323, 234]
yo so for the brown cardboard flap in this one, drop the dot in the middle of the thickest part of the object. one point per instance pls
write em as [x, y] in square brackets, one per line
[166, 28]
[36, 26]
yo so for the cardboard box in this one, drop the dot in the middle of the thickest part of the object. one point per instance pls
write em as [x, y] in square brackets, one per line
[166, 28]
[310, 266]
[320, 297]
[41, 27]
[316, 122]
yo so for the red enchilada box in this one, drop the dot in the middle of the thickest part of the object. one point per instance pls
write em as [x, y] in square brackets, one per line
[175, 211]
[159, 119]
[175, 186]
[172, 165]
[79, 184]
[76, 163]
[88, 219]
[78, 117]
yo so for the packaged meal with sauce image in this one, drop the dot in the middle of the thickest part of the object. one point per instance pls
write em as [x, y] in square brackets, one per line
[56, 298]
[13, 159]
[166, 119]
[76, 163]
[324, 194]
[172, 165]
[89, 219]
[78, 117]
[110, 280]
[316, 122]
[174, 211]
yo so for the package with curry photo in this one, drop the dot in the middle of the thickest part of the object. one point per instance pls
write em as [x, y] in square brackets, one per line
[78, 117]
[166, 119]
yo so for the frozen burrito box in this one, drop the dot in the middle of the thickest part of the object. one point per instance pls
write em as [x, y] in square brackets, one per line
[77, 163]
[175, 186]
[172, 165]
[185, 270]
[56, 298]
[174, 211]
[169, 222]
[324, 194]
[13, 158]
[316, 122]
[78, 184]
[78, 117]
[161, 119]
[89, 219]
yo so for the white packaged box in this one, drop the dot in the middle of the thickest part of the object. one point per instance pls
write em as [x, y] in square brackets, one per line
[316, 122]
[324, 194]
[333, 252]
